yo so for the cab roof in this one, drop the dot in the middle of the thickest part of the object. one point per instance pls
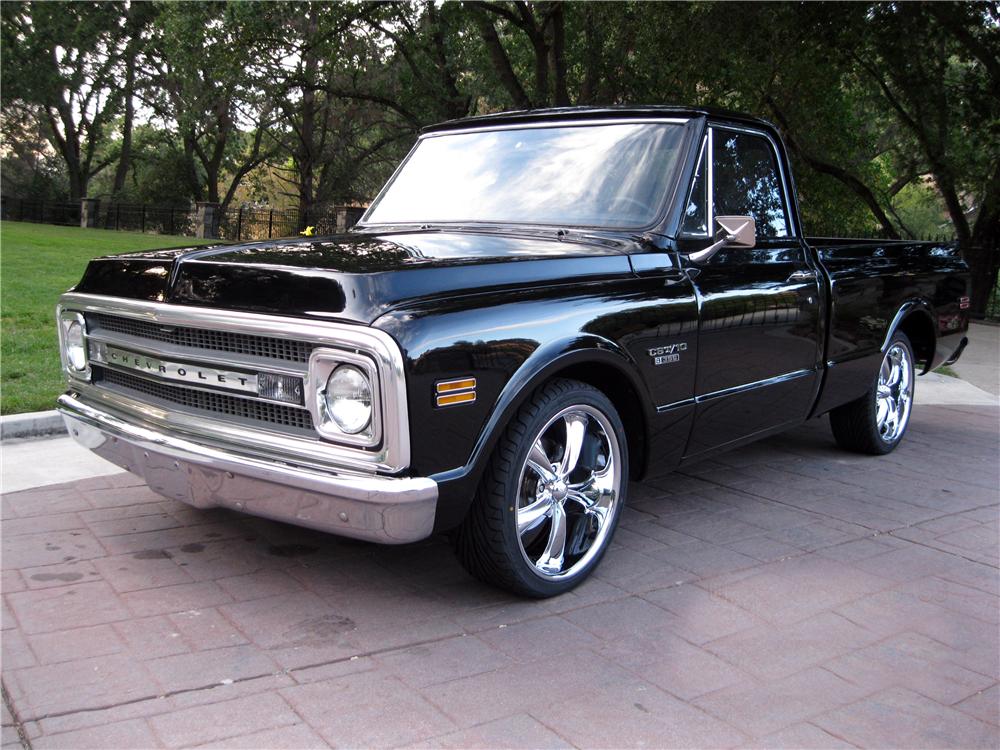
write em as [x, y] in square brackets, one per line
[583, 114]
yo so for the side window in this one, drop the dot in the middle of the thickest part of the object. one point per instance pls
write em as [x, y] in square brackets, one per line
[695, 219]
[746, 181]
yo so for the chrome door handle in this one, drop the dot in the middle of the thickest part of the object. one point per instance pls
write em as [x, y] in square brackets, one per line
[802, 276]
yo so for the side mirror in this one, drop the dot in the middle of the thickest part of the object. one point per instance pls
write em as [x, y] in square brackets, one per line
[733, 231]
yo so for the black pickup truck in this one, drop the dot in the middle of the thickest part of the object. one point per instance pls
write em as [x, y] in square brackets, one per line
[538, 308]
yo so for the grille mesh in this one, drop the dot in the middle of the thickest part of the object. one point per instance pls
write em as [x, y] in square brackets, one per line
[202, 338]
[217, 403]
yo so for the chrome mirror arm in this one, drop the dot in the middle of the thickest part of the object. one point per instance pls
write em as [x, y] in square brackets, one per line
[737, 231]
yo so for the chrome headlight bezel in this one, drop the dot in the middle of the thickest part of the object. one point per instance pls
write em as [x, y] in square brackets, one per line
[67, 319]
[322, 364]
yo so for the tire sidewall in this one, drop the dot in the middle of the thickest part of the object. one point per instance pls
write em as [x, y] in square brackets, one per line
[529, 579]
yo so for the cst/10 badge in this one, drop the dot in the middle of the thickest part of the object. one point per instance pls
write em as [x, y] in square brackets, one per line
[664, 355]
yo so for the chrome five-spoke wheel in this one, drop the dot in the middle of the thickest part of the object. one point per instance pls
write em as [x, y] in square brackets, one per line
[549, 501]
[569, 487]
[894, 393]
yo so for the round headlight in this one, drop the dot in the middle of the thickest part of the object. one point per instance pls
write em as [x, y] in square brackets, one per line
[349, 399]
[76, 348]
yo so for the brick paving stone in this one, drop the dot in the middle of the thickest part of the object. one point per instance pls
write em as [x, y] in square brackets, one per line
[912, 661]
[205, 629]
[984, 705]
[776, 651]
[50, 547]
[83, 684]
[45, 501]
[70, 571]
[259, 584]
[672, 664]
[964, 600]
[133, 524]
[39, 524]
[207, 668]
[637, 572]
[291, 737]
[648, 719]
[902, 718]
[219, 721]
[76, 605]
[16, 653]
[179, 598]
[761, 709]
[618, 619]
[700, 616]
[351, 711]
[539, 639]
[518, 732]
[700, 559]
[151, 637]
[441, 661]
[146, 569]
[801, 737]
[76, 643]
[127, 735]
[288, 620]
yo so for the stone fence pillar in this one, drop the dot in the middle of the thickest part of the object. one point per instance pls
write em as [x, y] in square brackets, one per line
[341, 220]
[88, 212]
[207, 224]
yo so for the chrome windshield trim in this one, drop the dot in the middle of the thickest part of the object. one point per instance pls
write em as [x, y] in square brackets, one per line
[391, 456]
[537, 124]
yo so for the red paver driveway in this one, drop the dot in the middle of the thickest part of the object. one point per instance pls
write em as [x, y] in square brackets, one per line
[785, 595]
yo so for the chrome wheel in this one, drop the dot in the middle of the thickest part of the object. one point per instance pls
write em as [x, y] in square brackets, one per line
[894, 393]
[568, 492]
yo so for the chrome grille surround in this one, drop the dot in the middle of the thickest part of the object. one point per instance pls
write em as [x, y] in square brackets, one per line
[254, 428]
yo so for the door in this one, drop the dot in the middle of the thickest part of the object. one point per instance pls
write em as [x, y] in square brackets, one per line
[759, 353]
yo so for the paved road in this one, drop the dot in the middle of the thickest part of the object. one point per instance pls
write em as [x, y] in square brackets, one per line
[980, 363]
[786, 595]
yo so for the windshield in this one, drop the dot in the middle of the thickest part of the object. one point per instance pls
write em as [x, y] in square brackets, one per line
[581, 175]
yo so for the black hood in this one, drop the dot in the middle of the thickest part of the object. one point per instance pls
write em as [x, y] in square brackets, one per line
[355, 277]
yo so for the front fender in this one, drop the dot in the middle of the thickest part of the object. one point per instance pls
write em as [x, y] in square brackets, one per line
[546, 362]
[457, 487]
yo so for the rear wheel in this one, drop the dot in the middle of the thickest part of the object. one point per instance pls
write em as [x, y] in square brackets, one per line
[552, 494]
[876, 422]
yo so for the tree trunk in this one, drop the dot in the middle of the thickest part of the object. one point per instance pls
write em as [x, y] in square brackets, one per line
[501, 63]
[558, 56]
[982, 252]
[125, 157]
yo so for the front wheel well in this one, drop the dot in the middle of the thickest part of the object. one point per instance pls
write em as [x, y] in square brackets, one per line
[920, 331]
[615, 385]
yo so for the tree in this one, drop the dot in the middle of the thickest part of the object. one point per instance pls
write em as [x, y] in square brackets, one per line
[63, 59]
[203, 82]
[935, 66]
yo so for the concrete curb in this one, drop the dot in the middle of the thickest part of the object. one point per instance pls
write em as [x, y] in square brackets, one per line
[35, 424]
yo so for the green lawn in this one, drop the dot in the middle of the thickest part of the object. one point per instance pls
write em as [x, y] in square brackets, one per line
[39, 262]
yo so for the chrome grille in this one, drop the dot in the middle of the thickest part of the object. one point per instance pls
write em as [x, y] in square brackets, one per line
[216, 403]
[203, 338]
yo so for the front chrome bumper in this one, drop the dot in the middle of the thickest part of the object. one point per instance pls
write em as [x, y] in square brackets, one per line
[382, 509]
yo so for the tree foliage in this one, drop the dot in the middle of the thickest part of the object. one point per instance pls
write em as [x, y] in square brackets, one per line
[891, 111]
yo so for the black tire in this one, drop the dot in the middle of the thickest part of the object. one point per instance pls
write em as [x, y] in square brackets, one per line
[487, 543]
[856, 426]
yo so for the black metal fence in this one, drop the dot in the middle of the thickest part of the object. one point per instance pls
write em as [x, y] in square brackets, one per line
[134, 217]
[264, 223]
[39, 211]
[234, 224]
